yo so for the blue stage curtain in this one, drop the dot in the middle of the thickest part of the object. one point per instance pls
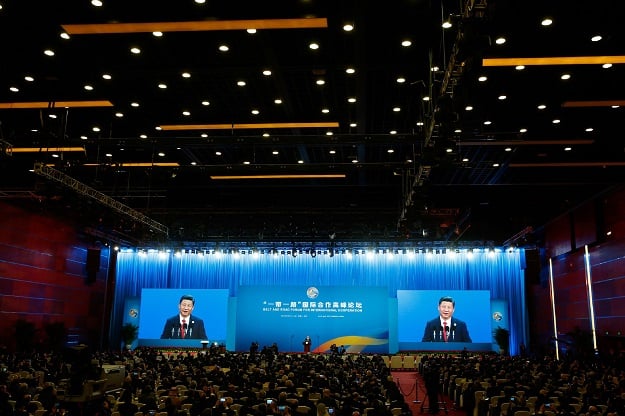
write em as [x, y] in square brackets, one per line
[501, 273]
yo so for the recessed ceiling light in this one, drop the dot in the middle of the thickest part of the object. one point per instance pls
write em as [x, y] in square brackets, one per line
[396, 109]
[465, 159]
[488, 122]
[186, 113]
[96, 3]
[556, 121]
[48, 52]
[406, 43]
[458, 131]
[162, 86]
[393, 132]
[275, 152]
[567, 149]
[390, 151]
[95, 129]
[241, 83]
[325, 110]
[193, 163]
[200, 1]
[606, 66]
[320, 82]
[134, 104]
[157, 34]
[541, 106]
[107, 77]
[446, 24]
[203, 135]
[84, 138]
[246, 162]
[348, 27]
[143, 136]
[88, 87]
[314, 46]
[596, 38]
[265, 134]
[401, 80]
[519, 67]
[565, 76]
[300, 161]
[420, 123]
[332, 152]
[159, 128]
[426, 98]
[483, 78]
[546, 22]
[495, 165]
[502, 97]
[52, 115]
[119, 115]
[161, 154]
[523, 130]
[468, 108]
[224, 48]
[266, 72]
[255, 112]
[351, 100]
[135, 50]
[614, 106]
[354, 160]
[329, 133]
[589, 129]
[434, 69]
[251, 31]
[500, 41]
[186, 75]
[350, 70]
[14, 89]
[508, 149]
[277, 101]
[206, 103]
[64, 35]
[353, 124]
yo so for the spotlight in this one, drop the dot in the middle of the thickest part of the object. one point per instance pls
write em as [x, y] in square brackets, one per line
[313, 253]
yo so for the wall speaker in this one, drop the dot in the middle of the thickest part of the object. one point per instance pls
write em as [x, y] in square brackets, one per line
[92, 265]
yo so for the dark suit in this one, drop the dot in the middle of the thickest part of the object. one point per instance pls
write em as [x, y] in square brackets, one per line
[195, 329]
[457, 331]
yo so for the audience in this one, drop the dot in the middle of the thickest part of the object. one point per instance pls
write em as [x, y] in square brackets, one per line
[214, 383]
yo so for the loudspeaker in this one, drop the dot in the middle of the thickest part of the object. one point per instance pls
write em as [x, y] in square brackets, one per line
[532, 266]
[92, 265]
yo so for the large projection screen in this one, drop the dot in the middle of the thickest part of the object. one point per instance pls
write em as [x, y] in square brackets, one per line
[417, 307]
[356, 318]
[158, 305]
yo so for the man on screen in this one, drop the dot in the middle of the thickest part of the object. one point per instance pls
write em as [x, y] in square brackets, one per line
[184, 325]
[445, 328]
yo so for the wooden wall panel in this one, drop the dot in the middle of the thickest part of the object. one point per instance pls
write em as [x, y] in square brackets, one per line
[43, 276]
[558, 236]
[585, 224]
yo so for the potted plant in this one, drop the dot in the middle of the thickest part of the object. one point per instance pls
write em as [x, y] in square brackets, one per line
[502, 338]
[129, 333]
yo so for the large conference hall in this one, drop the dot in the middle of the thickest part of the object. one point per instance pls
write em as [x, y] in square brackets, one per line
[213, 208]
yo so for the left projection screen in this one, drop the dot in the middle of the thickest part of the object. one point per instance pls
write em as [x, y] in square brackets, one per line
[159, 308]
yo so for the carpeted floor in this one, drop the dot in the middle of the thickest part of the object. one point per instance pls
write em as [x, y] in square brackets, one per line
[413, 389]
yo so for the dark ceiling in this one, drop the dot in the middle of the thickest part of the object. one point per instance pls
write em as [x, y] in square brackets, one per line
[408, 168]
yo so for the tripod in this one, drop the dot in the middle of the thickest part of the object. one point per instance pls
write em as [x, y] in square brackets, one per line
[438, 405]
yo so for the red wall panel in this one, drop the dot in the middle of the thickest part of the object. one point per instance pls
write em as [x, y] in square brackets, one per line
[42, 275]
